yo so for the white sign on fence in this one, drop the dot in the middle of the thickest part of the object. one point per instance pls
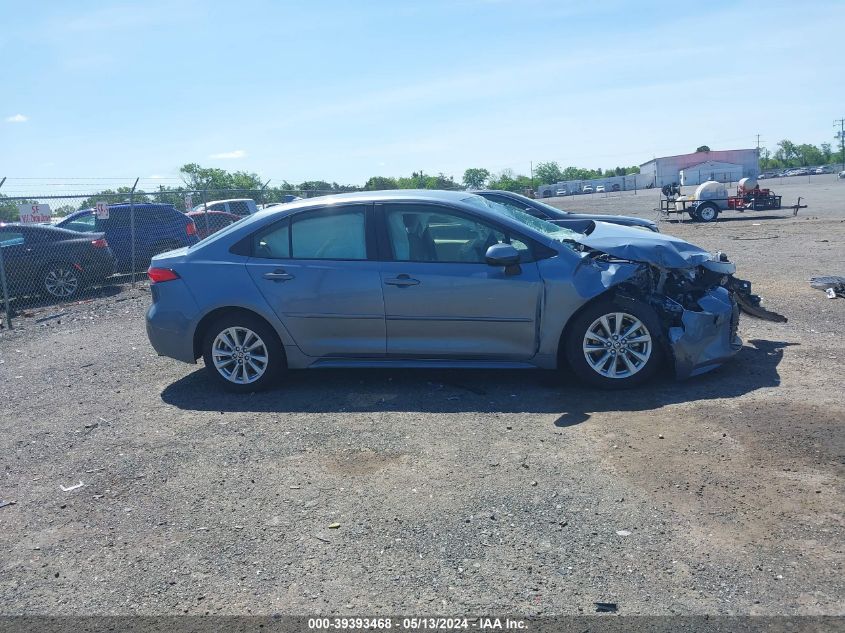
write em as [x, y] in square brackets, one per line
[102, 210]
[34, 213]
[189, 202]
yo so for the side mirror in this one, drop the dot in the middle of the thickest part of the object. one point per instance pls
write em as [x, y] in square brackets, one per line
[504, 255]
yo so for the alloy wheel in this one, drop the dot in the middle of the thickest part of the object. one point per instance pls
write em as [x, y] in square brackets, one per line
[61, 282]
[617, 345]
[239, 355]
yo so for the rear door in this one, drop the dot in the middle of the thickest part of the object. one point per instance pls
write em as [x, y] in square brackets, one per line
[442, 300]
[318, 271]
[18, 258]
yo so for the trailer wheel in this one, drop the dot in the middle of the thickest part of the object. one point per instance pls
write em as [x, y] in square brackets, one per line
[707, 212]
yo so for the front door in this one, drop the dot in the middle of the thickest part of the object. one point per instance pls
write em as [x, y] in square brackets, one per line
[315, 270]
[442, 300]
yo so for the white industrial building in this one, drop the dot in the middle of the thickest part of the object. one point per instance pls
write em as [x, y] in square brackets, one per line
[722, 165]
[686, 169]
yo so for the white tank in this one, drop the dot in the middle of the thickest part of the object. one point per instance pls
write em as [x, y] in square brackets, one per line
[748, 183]
[710, 190]
[680, 203]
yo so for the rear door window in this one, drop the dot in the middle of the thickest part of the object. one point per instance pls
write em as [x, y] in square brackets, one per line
[239, 207]
[11, 238]
[337, 234]
[84, 223]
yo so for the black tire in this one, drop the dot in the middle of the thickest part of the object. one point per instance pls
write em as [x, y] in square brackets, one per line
[707, 212]
[587, 319]
[275, 355]
[61, 280]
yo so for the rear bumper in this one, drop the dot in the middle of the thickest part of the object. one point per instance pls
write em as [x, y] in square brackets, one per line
[706, 339]
[169, 328]
[170, 334]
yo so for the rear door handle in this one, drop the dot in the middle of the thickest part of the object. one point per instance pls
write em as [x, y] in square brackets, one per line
[402, 281]
[278, 275]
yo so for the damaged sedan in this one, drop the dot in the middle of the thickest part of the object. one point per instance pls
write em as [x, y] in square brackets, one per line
[442, 280]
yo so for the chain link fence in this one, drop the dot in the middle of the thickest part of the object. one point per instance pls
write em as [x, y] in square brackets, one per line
[62, 247]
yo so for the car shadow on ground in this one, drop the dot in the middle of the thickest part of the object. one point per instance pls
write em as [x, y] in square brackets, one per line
[499, 391]
[21, 304]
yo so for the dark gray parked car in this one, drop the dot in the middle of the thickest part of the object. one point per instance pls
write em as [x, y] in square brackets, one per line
[440, 279]
[575, 221]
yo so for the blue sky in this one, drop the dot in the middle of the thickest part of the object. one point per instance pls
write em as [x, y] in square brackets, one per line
[345, 90]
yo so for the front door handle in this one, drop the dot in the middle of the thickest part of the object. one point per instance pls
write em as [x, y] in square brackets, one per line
[278, 275]
[402, 281]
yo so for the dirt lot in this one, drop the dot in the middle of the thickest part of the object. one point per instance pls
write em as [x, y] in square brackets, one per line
[454, 491]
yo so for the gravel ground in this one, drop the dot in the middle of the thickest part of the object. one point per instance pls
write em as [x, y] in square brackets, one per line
[436, 492]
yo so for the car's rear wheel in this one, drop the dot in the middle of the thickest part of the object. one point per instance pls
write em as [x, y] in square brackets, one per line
[60, 280]
[242, 353]
[613, 346]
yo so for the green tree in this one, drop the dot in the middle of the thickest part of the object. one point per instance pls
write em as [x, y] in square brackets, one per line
[786, 152]
[702, 148]
[507, 180]
[197, 178]
[379, 183]
[827, 153]
[548, 173]
[476, 177]
[809, 155]
[113, 196]
[9, 208]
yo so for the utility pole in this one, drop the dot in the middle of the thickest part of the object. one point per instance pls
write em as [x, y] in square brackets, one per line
[841, 135]
[531, 167]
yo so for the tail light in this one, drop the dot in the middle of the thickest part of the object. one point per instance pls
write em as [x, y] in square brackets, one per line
[191, 229]
[100, 243]
[160, 275]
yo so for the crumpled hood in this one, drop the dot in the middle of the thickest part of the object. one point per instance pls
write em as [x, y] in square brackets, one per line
[659, 249]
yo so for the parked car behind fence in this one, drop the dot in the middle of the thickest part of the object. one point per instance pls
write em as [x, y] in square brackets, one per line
[54, 262]
[158, 228]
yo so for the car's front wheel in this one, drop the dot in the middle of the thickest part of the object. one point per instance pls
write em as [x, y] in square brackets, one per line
[242, 353]
[612, 346]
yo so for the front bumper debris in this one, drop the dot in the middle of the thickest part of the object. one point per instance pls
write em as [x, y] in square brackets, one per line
[708, 338]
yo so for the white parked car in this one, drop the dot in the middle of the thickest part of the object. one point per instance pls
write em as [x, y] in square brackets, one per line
[587, 189]
[560, 192]
[600, 189]
[236, 206]
[842, 174]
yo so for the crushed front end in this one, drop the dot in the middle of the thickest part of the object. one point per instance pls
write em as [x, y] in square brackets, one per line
[699, 308]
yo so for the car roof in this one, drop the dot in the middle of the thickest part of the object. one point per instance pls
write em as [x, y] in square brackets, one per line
[388, 195]
[456, 199]
[47, 228]
[230, 200]
[147, 206]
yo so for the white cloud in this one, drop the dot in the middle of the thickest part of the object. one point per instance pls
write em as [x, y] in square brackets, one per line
[17, 118]
[238, 153]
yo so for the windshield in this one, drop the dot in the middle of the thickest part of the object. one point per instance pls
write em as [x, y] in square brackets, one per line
[548, 229]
